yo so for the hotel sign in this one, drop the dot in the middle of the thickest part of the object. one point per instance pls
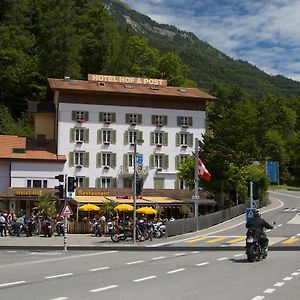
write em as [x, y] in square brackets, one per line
[28, 193]
[127, 80]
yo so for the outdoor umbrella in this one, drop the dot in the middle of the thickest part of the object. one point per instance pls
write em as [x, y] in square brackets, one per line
[124, 207]
[146, 210]
[89, 207]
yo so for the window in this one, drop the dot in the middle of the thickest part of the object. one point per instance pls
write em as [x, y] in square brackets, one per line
[130, 160]
[78, 158]
[133, 119]
[107, 117]
[183, 139]
[80, 181]
[80, 116]
[132, 137]
[158, 138]
[106, 182]
[79, 133]
[159, 120]
[106, 136]
[37, 183]
[158, 160]
[185, 121]
[106, 159]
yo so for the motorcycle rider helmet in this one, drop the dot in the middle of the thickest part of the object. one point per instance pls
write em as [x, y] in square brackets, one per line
[257, 213]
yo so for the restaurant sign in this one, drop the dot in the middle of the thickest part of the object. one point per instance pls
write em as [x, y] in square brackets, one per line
[81, 192]
[127, 80]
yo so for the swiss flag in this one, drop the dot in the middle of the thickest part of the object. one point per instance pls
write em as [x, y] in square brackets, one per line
[202, 171]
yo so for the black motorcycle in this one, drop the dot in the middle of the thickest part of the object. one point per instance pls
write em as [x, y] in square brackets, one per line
[254, 250]
[60, 228]
[122, 232]
[47, 228]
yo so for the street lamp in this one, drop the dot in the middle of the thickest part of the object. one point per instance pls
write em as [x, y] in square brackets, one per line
[137, 141]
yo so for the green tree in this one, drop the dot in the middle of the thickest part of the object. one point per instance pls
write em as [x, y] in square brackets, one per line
[108, 209]
[45, 206]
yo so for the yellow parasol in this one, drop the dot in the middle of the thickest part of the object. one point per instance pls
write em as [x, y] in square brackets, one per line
[89, 207]
[146, 210]
[124, 207]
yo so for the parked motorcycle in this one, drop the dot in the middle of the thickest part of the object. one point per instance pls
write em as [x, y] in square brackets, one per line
[30, 228]
[159, 229]
[122, 232]
[47, 228]
[254, 251]
[60, 228]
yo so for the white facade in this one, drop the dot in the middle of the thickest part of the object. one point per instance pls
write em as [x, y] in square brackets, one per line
[92, 172]
[4, 175]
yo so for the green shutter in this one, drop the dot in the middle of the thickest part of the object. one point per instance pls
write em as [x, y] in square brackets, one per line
[151, 161]
[98, 160]
[165, 138]
[166, 162]
[165, 120]
[127, 118]
[191, 140]
[177, 139]
[86, 182]
[86, 159]
[125, 161]
[153, 119]
[71, 159]
[126, 137]
[113, 137]
[113, 117]
[139, 119]
[190, 121]
[139, 135]
[86, 135]
[99, 136]
[101, 117]
[114, 182]
[72, 135]
[176, 162]
[86, 115]
[151, 138]
[113, 160]
[178, 121]
[97, 183]
[73, 115]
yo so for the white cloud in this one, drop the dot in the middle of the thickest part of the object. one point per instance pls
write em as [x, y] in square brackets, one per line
[265, 33]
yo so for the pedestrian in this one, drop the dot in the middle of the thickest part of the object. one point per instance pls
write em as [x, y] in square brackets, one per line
[2, 225]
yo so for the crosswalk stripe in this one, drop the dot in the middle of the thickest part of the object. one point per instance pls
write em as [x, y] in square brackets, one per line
[239, 239]
[201, 238]
[290, 241]
[216, 240]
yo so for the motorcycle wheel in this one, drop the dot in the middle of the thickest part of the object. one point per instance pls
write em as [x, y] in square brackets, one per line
[251, 252]
[115, 237]
[157, 234]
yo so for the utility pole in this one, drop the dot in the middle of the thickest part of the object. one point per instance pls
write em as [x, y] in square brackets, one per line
[196, 178]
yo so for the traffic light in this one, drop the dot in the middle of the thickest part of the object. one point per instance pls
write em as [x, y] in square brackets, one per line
[71, 184]
[60, 193]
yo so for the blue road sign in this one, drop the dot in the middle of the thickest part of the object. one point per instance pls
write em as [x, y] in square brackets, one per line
[249, 213]
[273, 171]
[139, 159]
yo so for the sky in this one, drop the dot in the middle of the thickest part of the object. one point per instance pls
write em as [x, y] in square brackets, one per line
[266, 33]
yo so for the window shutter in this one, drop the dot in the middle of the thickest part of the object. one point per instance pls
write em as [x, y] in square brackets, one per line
[113, 160]
[86, 135]
[97, 183]
[71, 159]
[101, 117]
[86, 182]
[73, 115]
[151, 138]
[125, 162]
[153, 119]
[151, 161]
[165, 138]
[114, 182]
[177, 139]
[139, 135]
[99, 136]
[72, 135]
[127, 118]
[178, 121]
[113, 117]
[165, 120]
[190, 120]
[191, 140]
[139, 119]
[166, 162]
[126, 137]
[86, 115]
[98, 160]
[113, 137]
[86, 159]
[176, 162]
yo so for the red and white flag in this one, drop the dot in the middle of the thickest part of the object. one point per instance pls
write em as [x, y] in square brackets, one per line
[202, 171]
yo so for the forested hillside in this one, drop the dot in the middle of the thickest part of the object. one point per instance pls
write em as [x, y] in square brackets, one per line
[256, 117]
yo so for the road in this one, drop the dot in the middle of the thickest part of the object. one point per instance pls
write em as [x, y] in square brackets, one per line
[155, 274]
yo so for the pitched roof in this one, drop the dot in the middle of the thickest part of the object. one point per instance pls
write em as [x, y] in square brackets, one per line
[137, 89]
[23, 148]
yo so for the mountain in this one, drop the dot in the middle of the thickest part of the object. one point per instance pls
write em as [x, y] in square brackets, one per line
[207, 64]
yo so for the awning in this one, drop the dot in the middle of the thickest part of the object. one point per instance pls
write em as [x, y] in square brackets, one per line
[164, 200]
[90, 199]
[127, 200]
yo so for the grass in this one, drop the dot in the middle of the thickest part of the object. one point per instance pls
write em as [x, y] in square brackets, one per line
[284, 187]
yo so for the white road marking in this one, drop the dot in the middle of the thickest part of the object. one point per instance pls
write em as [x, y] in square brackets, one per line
[258, 298]
[59, 275]
[295, 274]
[11, 283]
[144, 278]
[60, 298]
[287, 278]
[269, 291]
[175, 271]
[159, 257]
[194, 252]
[237, 255]
[134, 262]
[223, 258]
[279, 225]
[279, 283]
[103, 288]
[203, 264]
[99, 269]
[179, 254]
[11, 251]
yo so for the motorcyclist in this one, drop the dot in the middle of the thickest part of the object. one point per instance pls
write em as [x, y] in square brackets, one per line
[258, 224]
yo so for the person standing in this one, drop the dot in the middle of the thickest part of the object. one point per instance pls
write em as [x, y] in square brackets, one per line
[2, 225]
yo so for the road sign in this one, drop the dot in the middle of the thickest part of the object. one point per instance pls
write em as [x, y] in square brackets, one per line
[67, 211]
[249, 213]
[273, 171]
[139, 159]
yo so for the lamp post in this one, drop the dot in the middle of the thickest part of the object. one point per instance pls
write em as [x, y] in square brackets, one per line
[137, 141]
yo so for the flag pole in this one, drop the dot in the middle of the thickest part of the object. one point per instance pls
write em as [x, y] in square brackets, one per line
[196, 178]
